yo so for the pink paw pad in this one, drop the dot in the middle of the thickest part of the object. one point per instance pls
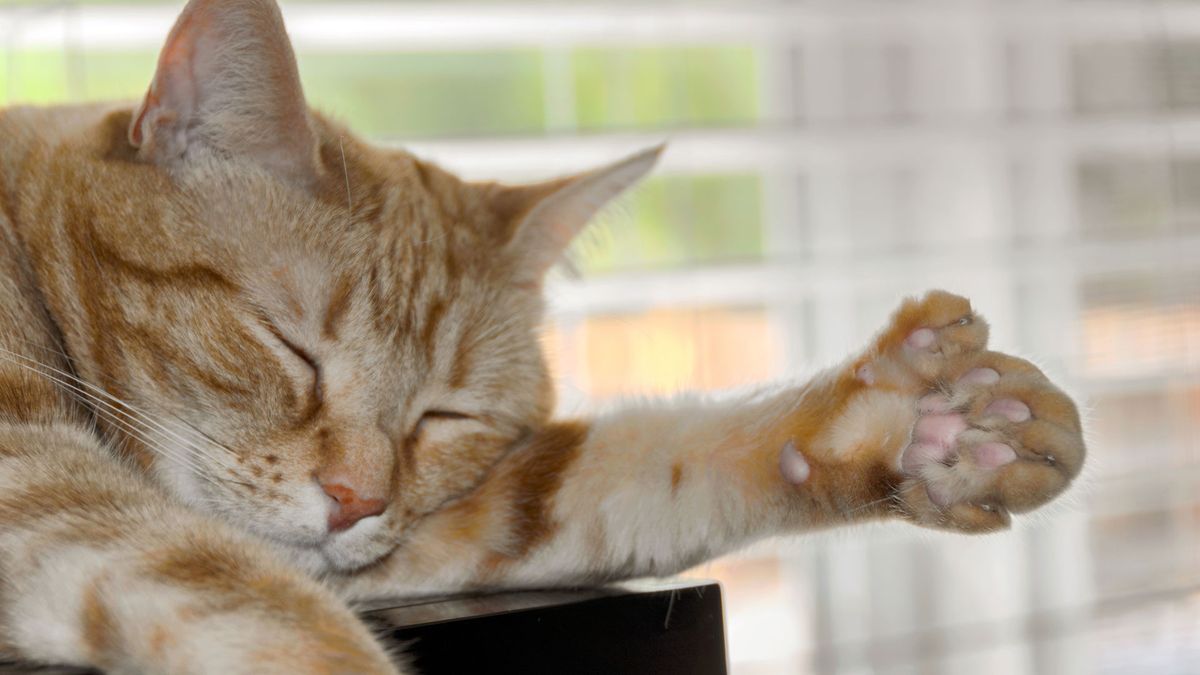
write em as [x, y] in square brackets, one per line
[922, 338]
[1010, 408]
[792, 465]
[993, 455]
[939, 495]
[940, 429]
[918, 455]
[980, 376]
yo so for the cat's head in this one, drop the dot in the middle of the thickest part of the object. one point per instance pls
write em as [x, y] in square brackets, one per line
[327, 340]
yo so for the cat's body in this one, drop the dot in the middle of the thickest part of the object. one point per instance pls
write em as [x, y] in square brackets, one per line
[241, 349]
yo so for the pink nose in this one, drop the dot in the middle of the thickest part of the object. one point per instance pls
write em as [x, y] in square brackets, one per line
[348, 507]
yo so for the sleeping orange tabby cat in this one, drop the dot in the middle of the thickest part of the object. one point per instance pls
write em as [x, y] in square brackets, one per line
[252, 368]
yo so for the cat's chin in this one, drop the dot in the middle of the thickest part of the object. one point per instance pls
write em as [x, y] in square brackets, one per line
[307, 559]
[342, 560]
[334, 556]
[330, 559]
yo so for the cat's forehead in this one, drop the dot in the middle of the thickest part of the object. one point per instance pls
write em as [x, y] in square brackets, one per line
[414, 275]
[265, 229]
[390, 257]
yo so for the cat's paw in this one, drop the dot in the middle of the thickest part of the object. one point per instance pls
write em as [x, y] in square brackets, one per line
[993, 435]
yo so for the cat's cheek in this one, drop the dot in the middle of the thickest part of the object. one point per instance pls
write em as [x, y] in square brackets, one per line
[181, 481]
[291, 515]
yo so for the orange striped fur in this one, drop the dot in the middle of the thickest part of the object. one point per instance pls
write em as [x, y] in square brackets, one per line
[242, 349]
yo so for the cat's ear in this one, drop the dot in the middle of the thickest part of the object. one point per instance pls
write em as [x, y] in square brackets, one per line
[227, 83]
[542, 219]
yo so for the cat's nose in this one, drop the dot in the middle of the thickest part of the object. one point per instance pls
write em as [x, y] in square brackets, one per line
[349, 507]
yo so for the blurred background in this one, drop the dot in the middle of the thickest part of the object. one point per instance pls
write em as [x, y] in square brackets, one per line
[827, 158]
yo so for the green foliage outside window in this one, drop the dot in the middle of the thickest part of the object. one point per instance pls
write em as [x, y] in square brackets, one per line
[672, 221]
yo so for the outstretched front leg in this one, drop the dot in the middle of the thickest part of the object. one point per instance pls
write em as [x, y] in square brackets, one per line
[925, 425]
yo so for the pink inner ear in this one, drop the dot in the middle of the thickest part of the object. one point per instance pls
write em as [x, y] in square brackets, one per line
[135, 129]
[553, 217]
[227, 71]
[172, 78]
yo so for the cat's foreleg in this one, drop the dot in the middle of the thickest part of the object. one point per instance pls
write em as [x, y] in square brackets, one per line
[99, 569]
[924, 424]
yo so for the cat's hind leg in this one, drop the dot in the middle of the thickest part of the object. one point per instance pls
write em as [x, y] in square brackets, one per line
[99, 569]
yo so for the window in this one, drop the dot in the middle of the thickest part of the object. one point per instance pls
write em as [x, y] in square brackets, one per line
[826, 159]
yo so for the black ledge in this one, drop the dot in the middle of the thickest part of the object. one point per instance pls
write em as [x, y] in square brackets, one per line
[636, 628]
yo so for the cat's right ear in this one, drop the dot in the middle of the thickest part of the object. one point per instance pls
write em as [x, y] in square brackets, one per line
[227, 83]
[542, 219]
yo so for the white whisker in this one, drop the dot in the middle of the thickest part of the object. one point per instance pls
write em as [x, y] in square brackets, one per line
[868, 505]
[117, 416]
[143, 417]
[346, 173]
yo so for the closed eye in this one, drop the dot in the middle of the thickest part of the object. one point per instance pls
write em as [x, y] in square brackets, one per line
[318, 394]
[445, 415]
[437, 415]
[303, 355]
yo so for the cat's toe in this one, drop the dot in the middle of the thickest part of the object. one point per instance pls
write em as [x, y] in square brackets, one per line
[922, 335]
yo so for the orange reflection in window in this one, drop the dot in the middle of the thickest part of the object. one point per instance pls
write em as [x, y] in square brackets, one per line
[664, 351]
[1127, 340]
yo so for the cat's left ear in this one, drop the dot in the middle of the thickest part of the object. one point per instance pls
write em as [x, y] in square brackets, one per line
[227, 82]
[542, 219]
